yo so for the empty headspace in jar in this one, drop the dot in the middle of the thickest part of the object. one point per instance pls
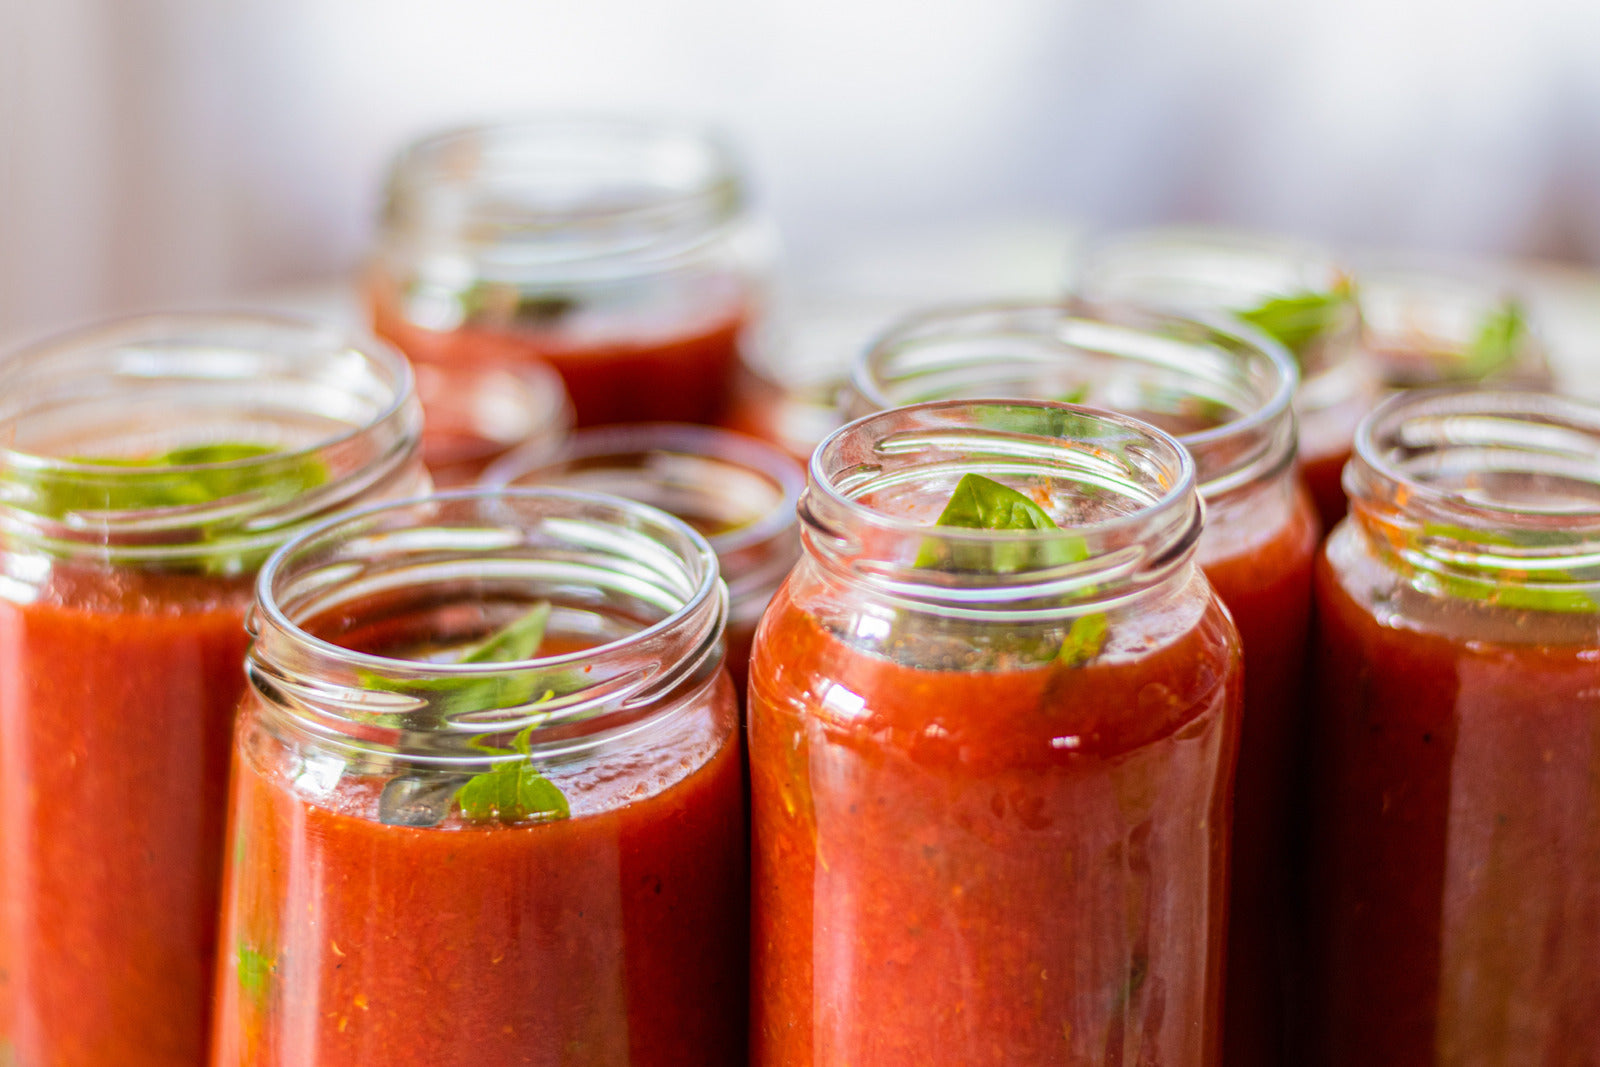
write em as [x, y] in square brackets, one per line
[361, 625]
[147, 386]
[1120, 491]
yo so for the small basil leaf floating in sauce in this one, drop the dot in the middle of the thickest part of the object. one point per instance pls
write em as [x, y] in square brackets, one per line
[980, 503]
[512, 790]
[1298, 320]
[1499, 338]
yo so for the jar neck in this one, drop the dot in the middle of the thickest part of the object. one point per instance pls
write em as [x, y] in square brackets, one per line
[1434, 324]
[1120, 492]
[739, 492]
[1222, 389]
[356, 622]
[198, 440]
[1492, 497]
[1237, 273]
[558, 201]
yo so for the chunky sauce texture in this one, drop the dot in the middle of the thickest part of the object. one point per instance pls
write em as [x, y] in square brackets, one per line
[1455, 865]
[616, 936]
[117, 698]
[1014, 866]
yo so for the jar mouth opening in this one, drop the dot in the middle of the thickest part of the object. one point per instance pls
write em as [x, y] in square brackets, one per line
[1430, 324]
[694, 472]
[1221, 388]
[1502, 457]
[1185, 266]
[1120, 494]
[266, 419]
[610, 182]
[696, 583]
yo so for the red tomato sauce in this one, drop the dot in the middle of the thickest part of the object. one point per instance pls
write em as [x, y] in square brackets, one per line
[1324, 478]
[685, 376]
[1266, 585]
[988, 867]
[614, 936]
[1455, 882]
[117, 707]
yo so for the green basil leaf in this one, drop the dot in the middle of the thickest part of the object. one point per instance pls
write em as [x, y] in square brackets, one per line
[981, 503]
[1084, 640]
[1495, 587]
[184, 477]
[255, 972]
[1499, 338]
[1299, 319]
[512, 792]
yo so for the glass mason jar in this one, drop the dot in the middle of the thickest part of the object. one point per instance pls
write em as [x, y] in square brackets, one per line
[476, 415]
[740, 493]
[147, 468]
[990, 770]
[1436, 323]
[451, 857]
[622, 253]
[1455, 852]
[1225, 391]
[1297, 292]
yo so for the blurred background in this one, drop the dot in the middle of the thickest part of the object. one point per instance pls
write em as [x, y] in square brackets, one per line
[173, 152]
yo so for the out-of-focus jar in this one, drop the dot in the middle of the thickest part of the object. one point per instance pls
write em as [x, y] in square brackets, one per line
[147, 469]
[1224, 390]
[487, 801]
[990, 767]
[1455, 841]
[623, 253]
[737, 491]
[477, 414]
[1296, 292]
[1436, 323]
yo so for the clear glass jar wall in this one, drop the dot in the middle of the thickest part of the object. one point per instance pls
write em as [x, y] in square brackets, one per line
[990, 770]
[622, 253]
[488, 799]
[146, 470]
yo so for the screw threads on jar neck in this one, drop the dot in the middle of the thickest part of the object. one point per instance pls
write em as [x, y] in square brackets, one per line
[330, 420]
[1121, 492]
[1222, 389]
[636, 619]
[1485, 493]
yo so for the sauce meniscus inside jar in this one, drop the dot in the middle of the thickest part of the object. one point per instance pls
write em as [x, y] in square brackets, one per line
[737, 491]
[488, 800]
[991, 768]
[622, 253]
[1455, 840]
[147, 469]
[1225, 392]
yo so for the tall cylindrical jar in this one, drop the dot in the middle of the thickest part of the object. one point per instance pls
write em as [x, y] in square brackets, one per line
[1225, 391]
[487, 799]
[1455, 852]
[991, 767]
[147, 469]
[737, 491]
[623, 253]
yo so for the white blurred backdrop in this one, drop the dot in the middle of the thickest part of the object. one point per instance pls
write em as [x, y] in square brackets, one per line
[160, 152]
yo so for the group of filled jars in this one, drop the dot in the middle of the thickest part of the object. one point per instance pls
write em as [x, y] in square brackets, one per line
[1066, 736]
